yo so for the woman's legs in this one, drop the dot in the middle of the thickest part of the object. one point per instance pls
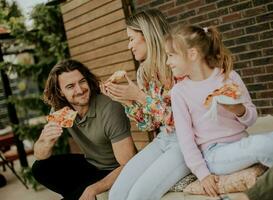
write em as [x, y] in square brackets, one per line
[151, 172]
[133, 170]
[158, 178]
[226, 158]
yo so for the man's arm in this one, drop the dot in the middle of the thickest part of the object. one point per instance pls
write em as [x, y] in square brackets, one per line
[124, 150]
[44, 145]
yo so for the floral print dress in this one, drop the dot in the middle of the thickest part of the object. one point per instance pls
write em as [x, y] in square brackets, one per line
[156, 112]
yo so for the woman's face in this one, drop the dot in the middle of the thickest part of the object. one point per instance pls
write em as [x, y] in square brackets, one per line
[137, 44]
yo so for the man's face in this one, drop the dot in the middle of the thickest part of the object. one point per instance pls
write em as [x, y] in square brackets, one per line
[74, 87]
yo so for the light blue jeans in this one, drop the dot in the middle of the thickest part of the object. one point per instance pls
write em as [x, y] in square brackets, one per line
[152, 172]
[226, 158]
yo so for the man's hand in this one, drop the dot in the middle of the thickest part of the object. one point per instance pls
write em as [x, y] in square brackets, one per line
[43, 146]
[88, 194]
[209, 185]
[51, 132]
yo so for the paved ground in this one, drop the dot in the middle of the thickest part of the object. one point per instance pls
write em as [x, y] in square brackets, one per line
[14, 190]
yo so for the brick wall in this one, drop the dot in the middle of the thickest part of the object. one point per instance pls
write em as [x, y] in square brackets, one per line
[247, 28]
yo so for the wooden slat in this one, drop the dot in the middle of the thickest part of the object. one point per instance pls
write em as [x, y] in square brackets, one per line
[101, 52]
[104, 10]
[107, 40]
[102, 21]
[109, 60]
[72, 5]
[105, 30]
[109, 70]
[91, 5]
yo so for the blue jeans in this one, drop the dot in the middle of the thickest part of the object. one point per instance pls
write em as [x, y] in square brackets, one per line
[152, 172]
[226, 158]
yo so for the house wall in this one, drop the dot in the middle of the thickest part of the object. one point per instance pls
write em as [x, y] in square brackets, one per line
[96, 34]
[247, 30]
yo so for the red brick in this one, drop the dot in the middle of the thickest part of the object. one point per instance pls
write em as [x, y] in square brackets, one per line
[270, 86]
[266, 94]
[198, 19]
[269, 69]
[207, 8]
[176, 10]
[254, 11]
[233, 33]
[266, 111]
[253, 71]
[232, 17]
[141, 2]
[166, 6]
[248, 80]
[195, 4]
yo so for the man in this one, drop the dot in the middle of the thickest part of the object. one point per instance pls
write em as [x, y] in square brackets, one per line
[262, 190]
[101, 129]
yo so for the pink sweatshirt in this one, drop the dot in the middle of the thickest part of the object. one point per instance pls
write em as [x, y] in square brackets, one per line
[195, 132]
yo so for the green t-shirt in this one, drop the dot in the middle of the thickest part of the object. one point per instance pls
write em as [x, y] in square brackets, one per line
[105, 123]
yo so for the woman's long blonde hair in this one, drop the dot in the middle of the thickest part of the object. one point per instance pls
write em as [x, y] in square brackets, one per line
[208, 42]
[153, 25]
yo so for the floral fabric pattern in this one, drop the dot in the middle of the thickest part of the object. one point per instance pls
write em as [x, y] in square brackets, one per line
[155, 112]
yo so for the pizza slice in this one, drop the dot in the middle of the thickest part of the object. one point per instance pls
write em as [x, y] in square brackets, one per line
[64, 117]
[228, 90]
[118, 77]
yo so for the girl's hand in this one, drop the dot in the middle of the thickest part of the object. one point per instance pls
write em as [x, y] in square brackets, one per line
[128, 92]
[238, 109]
[209, 185]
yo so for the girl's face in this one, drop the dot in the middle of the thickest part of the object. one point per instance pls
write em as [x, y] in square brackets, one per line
[179, 64]
[137, 44]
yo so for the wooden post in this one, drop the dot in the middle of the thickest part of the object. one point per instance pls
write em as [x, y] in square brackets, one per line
[13, 115]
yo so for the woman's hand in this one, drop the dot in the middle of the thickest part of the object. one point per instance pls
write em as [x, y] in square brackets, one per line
[209, 185]
[238, 109]
[129, 92]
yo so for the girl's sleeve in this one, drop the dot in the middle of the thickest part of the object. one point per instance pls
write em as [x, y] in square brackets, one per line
[186, 137]
[250, 115]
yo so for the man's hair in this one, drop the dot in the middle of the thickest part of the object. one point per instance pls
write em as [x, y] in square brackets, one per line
[52, 93]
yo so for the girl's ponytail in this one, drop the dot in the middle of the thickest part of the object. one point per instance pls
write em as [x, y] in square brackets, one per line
[218, 55]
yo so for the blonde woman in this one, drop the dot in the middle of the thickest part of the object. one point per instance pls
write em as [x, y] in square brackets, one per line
[156, 168]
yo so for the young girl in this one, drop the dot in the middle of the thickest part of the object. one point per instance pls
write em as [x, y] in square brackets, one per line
[158, 166]
[211, 147]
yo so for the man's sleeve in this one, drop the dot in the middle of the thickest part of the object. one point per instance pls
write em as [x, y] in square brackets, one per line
[263, 189]
[116, 123]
